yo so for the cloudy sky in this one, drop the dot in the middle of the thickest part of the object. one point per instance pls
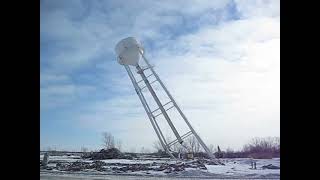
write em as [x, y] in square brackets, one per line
[220, 59]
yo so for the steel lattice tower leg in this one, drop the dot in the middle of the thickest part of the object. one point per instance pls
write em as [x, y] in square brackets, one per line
[179, 139]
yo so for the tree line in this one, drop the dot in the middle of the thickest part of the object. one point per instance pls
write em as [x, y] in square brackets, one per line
[258, 147]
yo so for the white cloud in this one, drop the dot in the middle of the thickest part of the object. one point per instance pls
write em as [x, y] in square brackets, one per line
[99, 27]
[258, 8]
[63, 94]
[236, 83]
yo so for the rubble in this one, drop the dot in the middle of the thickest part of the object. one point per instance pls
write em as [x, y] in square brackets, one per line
[62, 166]
[209, 161]
[270, 166]
[79, 165]
[133, 167]
[151, 165]
[168, 168]
[112, 153]
[120, 167]
[98, 165]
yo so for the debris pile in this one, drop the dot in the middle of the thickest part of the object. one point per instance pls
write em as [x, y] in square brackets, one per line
[270, 166]
[165, 167]
[129, 167]
[169, 168]
[112, 153]
[133, 168]
[180, 166]
[75, 166]
[209, 161]
[79, 165]
[98, 165]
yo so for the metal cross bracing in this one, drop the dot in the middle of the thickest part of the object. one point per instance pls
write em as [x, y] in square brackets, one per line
[161, 109]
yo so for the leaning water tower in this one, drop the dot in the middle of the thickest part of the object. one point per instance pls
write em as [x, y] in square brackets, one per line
[129, 52]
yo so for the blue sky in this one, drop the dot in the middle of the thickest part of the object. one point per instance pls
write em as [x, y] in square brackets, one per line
[227, 51]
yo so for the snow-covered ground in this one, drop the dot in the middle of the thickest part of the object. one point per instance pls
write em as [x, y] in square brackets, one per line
[243, 166]
[233, 168]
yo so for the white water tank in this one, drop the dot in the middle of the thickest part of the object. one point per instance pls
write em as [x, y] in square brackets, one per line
[127, 51]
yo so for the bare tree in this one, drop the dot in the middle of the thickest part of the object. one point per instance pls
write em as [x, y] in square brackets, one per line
[229, 150]
[108, 140]
[118, 144]
[157, 146]
[212, 148]
[84, 149]
[146, 150]
[49, 149]
[142, 150]
[266, 147]
[193, 145]
[133, 150]
[178, 148]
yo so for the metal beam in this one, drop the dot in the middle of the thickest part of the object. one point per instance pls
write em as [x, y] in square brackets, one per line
[210, 154]
[147, 109]
[155, 97]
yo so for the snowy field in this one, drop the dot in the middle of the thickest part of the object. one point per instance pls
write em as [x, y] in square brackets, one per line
[233, 168]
